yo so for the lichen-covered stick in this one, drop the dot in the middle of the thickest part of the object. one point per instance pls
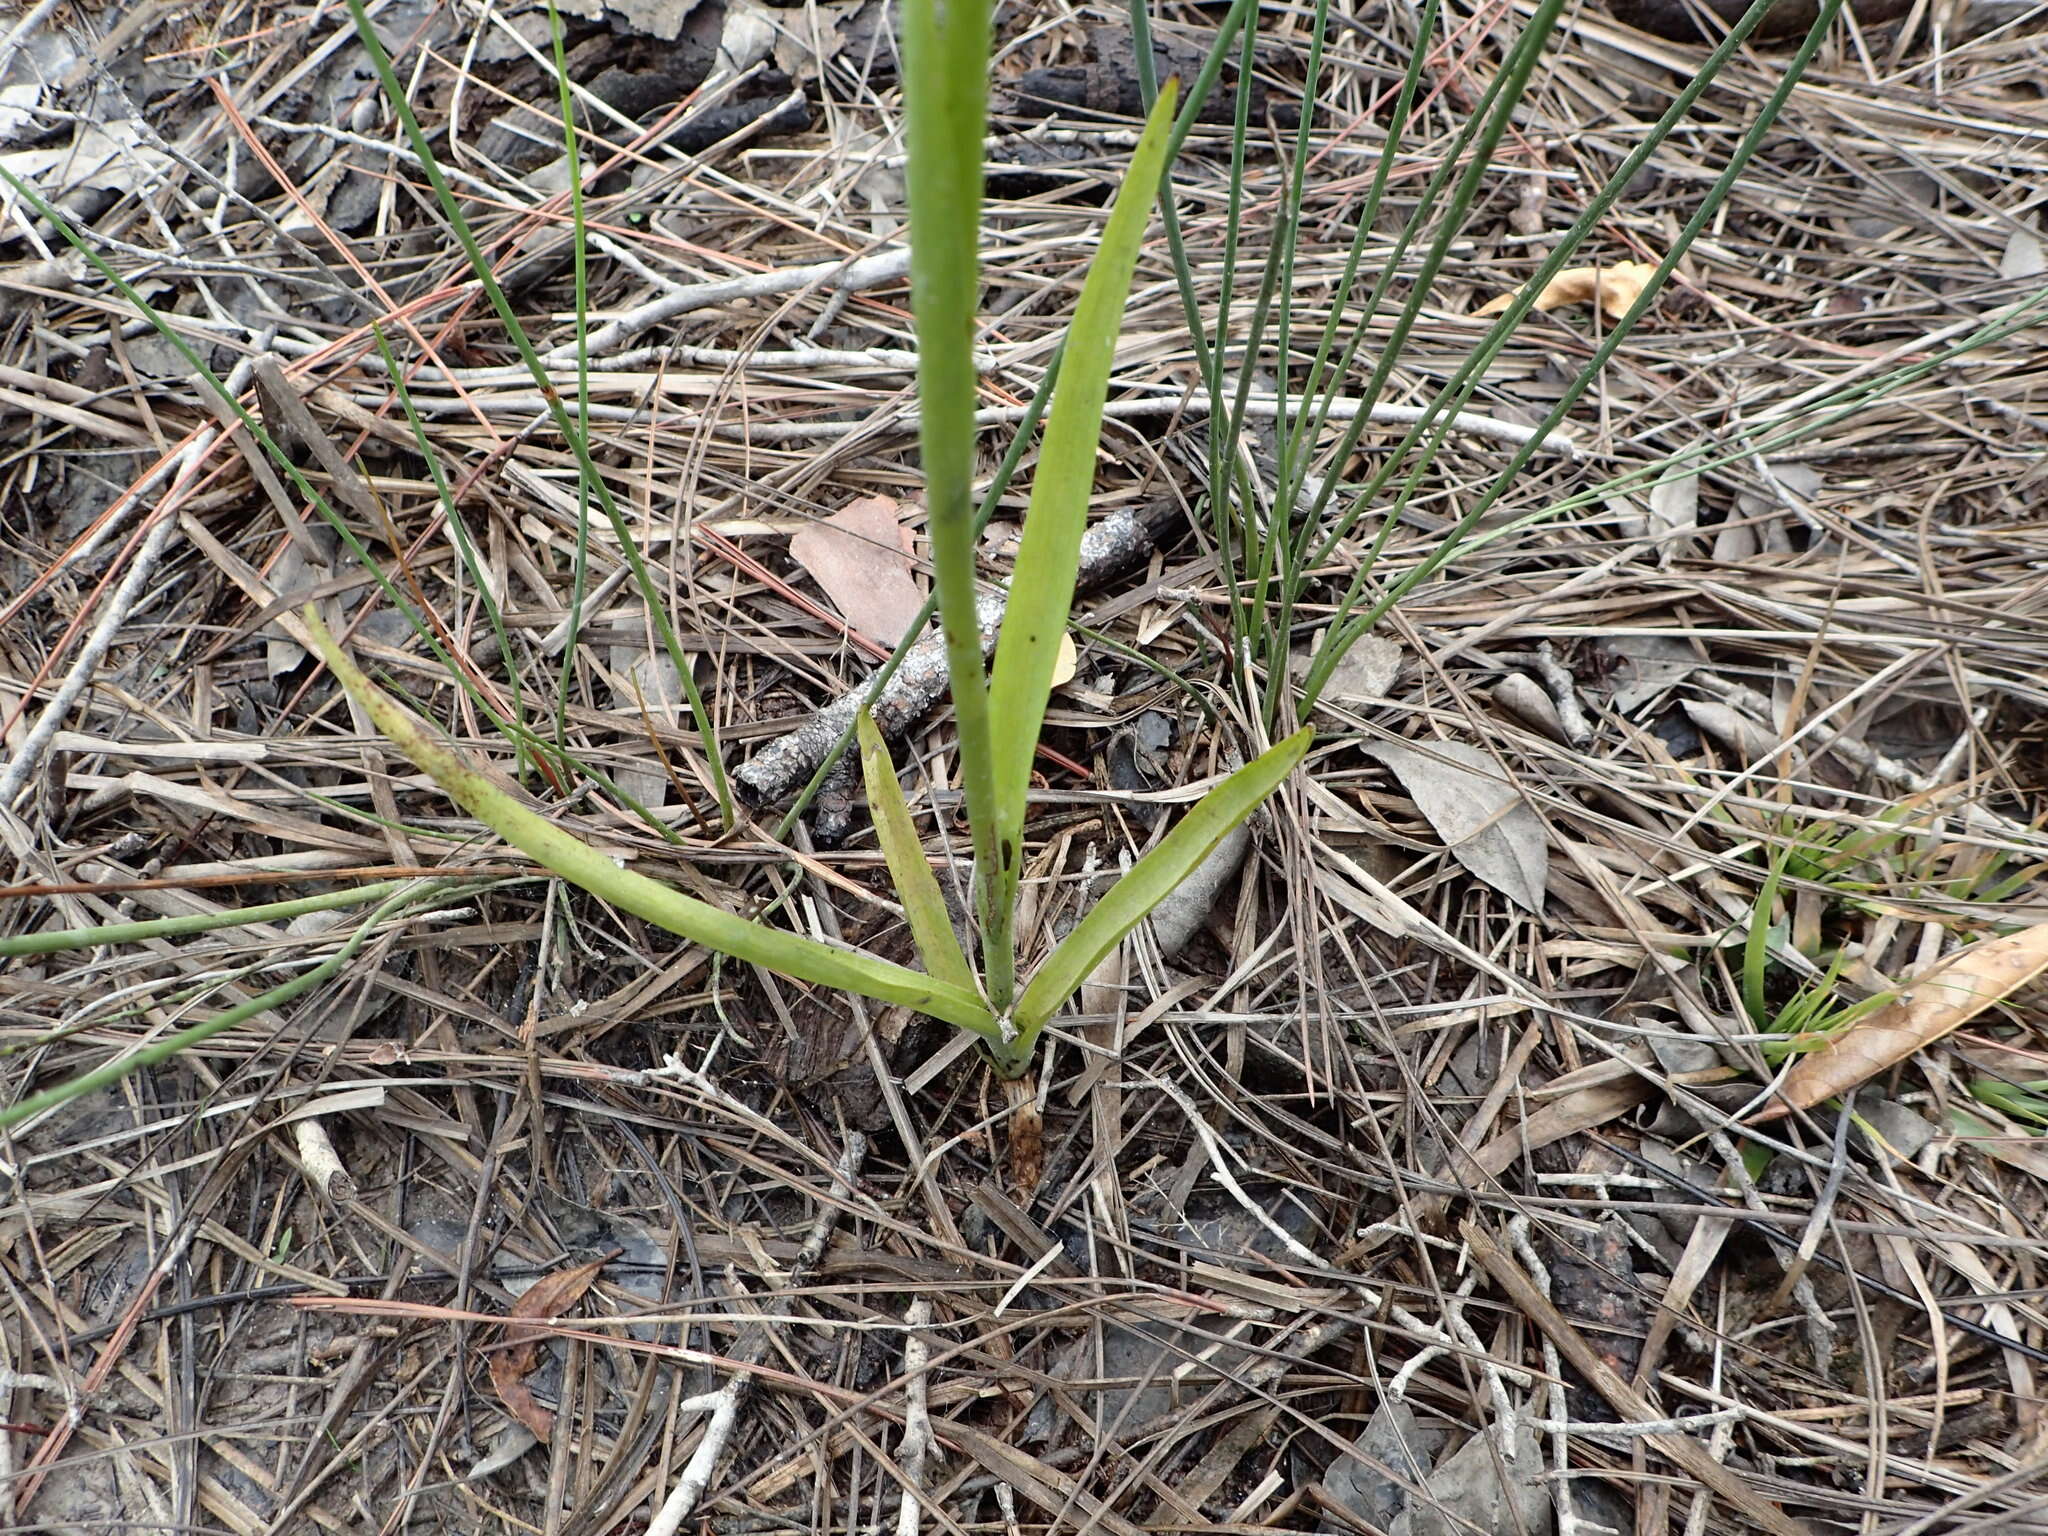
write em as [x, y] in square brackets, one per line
[1111, 546]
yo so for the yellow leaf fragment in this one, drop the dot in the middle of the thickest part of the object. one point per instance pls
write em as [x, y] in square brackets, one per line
[1066, 663]
[1944, 999]
[1616, 287]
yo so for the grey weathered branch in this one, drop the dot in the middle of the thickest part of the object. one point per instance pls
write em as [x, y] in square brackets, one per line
[1113, 545]
[864, 272]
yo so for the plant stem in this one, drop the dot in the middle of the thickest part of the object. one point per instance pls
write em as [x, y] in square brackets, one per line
[946, 107]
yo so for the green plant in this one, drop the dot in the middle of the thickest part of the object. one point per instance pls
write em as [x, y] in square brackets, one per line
[998, 712]
[1814, 1012]
[1272, 564]
[2025, 1103]
[1898, 855]
[397, 897]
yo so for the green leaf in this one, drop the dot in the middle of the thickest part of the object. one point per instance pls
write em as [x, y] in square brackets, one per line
[1756, 944]
[945, 90]
[202, 922]
[1150, 881]
[930, 924]
[164, 1049]
[1042, 588]
[576, 861]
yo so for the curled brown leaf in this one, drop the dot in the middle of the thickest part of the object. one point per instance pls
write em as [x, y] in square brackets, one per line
[549, 1296]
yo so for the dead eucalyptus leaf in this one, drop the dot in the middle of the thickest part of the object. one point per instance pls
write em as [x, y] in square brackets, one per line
[1750, 741]
[549, 1296]
[1945, 998]
[2024, 255]
[1617, 287]
[1674, 505]
[860, 556]
[1580, 1110]
[1365, 674]
[1481, 817]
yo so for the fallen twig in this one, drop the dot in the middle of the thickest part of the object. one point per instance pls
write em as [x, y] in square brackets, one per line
[865, 272]
[917, 1423]
[724, 1404]
[1257, 407]
[1115, 544]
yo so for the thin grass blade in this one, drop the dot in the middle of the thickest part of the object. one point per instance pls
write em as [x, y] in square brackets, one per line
[931, 926]
[591, 479]
[197, 1034]
[111, 934]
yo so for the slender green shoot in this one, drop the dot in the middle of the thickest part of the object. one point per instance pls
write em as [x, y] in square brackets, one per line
[412, 892]
[57, 940]
[580, 575]
[605, 877]
[945, 58]
[1452, 397]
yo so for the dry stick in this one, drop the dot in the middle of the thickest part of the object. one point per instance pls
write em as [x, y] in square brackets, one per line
[767, 359]
[1262, 407]
[917, 1423]
[22, 764]
[1864, 758]
[1559, 1427]
[1112, 545]
[1625, 1399]
[183, 469]
[724, 1404]
[866, 272]
[521, 404]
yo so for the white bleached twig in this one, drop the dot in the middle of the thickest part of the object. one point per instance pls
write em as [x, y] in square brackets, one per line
[321, 1163]
[724, 1404]
[864, 272]
[1258, 407]
[519, 404]
[917, 1444]
[15, 774]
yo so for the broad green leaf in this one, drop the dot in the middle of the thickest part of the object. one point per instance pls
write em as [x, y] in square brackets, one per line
[1042, 588]
[1151, 879]
[576, 861]
[930, 924]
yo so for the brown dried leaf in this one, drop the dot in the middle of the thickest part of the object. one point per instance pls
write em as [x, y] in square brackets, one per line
[1027, 1136]
[860, 555]
[1482, 818]
[1616, 287]
[1946, 997]
[1580, 1110]
[549, 1296]
[1066, 662]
